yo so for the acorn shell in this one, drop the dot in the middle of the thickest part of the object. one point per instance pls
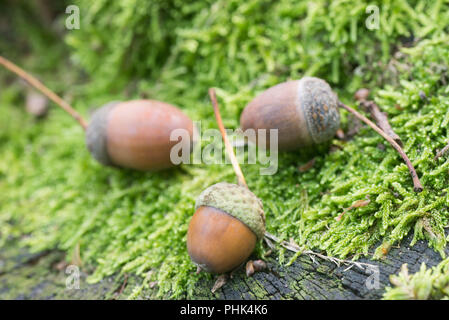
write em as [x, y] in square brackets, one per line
[305, 112]
[217, 242]
[136, 134]
[227, 223]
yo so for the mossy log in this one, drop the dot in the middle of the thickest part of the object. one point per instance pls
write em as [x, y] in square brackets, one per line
[39, 276]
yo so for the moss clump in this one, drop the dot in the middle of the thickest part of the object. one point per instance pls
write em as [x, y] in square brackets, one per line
[54, 195]
[424, 285]
[233, 43]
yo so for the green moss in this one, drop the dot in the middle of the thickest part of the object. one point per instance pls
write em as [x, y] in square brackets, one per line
[425, 284]
[54, 195]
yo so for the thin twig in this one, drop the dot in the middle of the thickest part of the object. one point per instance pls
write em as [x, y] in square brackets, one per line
[442, 152]
[381, 119]
[378, 116]
[229, 149]
[122, 287]
[76, 256]
[295, 248]
[47, 92]
[417, 187]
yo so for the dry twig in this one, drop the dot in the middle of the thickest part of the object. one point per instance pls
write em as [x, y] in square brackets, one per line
[442, 152]
[417, 187]
[229, 149]
[381, 119]
[295, 248]
[47, 92]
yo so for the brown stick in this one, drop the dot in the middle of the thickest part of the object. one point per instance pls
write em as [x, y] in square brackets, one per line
[381, 119]
[47, 92]
[230, 151]
[442, 152]
[417, 187]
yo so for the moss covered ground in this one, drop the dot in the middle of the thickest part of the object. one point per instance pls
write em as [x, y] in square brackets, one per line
[53, 195]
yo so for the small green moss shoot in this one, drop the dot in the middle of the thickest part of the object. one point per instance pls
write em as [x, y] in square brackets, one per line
[426, 284]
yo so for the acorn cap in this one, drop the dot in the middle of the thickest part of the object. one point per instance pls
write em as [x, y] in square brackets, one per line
[96, 136]
[236, 201]
[320, 106]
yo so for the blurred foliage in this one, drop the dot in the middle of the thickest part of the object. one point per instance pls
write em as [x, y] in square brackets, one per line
[233, 43]
[54, 195]
[32, 30]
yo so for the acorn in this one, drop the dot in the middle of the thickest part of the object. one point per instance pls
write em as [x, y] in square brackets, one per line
[136, 134]
[304, 111]
[133, 134]
[228, 219]
[223, 232]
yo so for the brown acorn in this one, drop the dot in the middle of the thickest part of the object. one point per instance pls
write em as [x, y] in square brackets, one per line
[228, 219]
[305, 112]
[136, 134]
[227, 223]
[133, 134]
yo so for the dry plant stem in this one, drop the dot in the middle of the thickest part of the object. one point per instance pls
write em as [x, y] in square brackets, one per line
[230, 151]
[381, 119]
[295, 248]
[442, 152]
[122, 287]
[47, 92]
[417, 187]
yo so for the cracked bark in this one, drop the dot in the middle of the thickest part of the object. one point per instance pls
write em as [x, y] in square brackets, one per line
[33, 276]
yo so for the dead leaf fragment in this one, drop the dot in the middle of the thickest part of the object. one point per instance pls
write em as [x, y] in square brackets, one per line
[259, 265]
[361, 94]
[249, 268]
[340, 134]
[356, 204]
[307, 166]
[36, 104]
[221, 281]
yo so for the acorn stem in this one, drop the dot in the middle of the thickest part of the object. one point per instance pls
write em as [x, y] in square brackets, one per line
[417, 187]
[228, 146]
[47, 92]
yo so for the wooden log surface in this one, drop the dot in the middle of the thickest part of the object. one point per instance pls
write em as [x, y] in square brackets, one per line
[40, 276]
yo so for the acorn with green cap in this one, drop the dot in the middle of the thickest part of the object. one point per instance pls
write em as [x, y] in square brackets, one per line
[228, 220]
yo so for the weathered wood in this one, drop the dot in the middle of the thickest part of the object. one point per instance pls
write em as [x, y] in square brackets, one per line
[36, 276]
